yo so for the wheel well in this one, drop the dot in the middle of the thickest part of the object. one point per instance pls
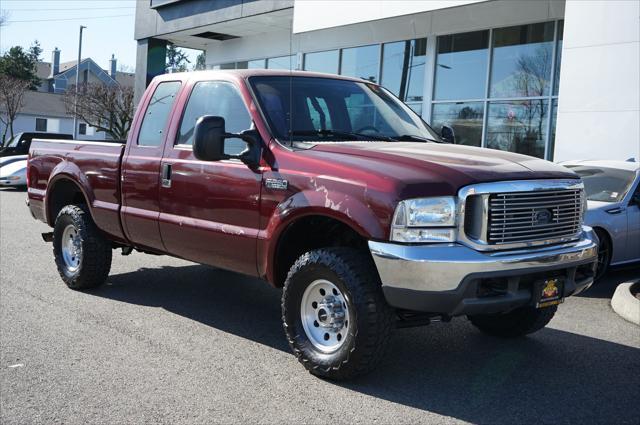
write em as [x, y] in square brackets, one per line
[602, 232]
[311, 232]
[64, 192]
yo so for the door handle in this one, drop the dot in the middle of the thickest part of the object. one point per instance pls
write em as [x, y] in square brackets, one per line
[166, 175]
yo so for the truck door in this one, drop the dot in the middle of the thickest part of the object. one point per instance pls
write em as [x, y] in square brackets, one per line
[209, 210]
[141, 168]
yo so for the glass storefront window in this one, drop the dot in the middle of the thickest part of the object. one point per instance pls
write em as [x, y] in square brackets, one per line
[361, 62]
[403, 67]
[521, 63]
[322, 61]
[464, 117]
[242, 65]
[518, 126]
[556, 82]
[461, 66]
[231, 65]
[256, 64]
[282, 62]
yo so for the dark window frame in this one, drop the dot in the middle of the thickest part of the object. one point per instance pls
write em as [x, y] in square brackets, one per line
[40, 121]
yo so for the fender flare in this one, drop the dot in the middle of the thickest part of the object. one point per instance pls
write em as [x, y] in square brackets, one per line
[68, 171]
[341, 207]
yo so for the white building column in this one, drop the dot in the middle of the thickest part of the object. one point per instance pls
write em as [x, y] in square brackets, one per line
[599, 93]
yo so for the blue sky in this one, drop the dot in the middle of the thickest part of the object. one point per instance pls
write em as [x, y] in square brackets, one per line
[110, 25]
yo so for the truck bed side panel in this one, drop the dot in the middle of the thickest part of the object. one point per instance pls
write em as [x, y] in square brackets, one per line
[93, 166]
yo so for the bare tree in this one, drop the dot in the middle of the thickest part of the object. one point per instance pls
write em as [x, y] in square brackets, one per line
[4, 17]
[12, 92]
[107, 108]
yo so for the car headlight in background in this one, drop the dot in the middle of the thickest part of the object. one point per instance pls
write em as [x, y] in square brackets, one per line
[11, 178]
[425, 220]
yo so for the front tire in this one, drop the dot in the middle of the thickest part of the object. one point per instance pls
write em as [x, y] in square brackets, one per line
[517, 323]
[82, 254]
[604, 254]
[334, 314]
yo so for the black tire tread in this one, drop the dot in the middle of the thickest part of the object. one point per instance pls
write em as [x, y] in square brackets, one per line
[96, 250]
[358, 269]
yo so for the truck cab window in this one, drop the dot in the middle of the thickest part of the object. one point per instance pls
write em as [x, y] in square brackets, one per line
[219, 99]
[157, 114]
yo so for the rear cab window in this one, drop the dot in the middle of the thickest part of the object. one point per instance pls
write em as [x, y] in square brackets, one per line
[156, 116]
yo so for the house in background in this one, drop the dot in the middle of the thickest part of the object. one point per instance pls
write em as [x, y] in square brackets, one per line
[44, 110]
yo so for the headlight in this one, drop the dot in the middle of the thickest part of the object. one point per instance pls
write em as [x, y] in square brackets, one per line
[12, 178]
[425, 220]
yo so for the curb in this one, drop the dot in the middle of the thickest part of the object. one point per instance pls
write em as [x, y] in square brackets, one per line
[625, 303]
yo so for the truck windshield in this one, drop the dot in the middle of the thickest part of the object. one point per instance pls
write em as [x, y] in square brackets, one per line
[316, 109]
[13, 142]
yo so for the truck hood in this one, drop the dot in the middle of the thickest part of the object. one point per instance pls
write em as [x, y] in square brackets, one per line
[458, 165]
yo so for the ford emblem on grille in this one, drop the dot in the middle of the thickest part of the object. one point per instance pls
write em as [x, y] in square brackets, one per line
[542, 216]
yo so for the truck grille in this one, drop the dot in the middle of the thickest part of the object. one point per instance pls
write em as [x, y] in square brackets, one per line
[519, 217]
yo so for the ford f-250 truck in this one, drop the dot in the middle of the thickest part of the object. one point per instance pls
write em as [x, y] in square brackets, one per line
[332, 189]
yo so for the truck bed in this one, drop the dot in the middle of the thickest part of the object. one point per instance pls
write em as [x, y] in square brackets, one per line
[95, 166]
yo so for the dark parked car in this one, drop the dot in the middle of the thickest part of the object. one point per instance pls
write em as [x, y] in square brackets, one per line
[20, 143]
[332, 189]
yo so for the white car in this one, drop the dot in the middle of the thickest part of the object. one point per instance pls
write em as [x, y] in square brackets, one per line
[613, 208]
[6, 160]
[14, 174]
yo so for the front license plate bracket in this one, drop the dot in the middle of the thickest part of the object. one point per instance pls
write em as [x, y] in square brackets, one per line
[548, 292]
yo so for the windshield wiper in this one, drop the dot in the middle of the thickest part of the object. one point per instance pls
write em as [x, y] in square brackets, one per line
[338, 133]
[414, 138]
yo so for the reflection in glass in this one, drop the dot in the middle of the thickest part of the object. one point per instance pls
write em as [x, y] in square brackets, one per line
[521, 65]
[403, 66]
[465, 119]
[558, 57]
[416, 107]
[361, 62]
[256, 64]
[282, 62]
[552, 136]
[461, 67]
[322, 61]
[518, 126]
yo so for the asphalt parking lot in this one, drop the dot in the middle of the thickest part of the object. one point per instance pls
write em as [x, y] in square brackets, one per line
[174, 342]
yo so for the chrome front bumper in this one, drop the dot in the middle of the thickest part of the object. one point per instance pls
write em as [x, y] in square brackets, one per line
[447, 268]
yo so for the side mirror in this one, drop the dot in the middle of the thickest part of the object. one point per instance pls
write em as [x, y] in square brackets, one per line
[210, 137]
[208, 140]
[448, 134]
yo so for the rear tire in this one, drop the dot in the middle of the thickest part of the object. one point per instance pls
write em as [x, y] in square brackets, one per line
[331, 283]
[82, 254]
[517, 323]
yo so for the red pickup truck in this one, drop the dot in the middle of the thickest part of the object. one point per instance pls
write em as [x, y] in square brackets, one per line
[332, 189]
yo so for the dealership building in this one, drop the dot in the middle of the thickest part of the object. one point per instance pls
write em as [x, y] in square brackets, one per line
[554, 79]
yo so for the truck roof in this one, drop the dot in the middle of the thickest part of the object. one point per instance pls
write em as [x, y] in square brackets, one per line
[245, 73]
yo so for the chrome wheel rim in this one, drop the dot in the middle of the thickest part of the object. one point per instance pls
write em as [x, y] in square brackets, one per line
[324, 311]
[71, 248]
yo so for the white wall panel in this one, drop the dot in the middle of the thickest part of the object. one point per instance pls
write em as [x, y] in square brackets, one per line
[599, 94]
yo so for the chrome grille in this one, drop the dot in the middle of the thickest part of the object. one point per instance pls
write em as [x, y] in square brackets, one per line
[545, 215]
